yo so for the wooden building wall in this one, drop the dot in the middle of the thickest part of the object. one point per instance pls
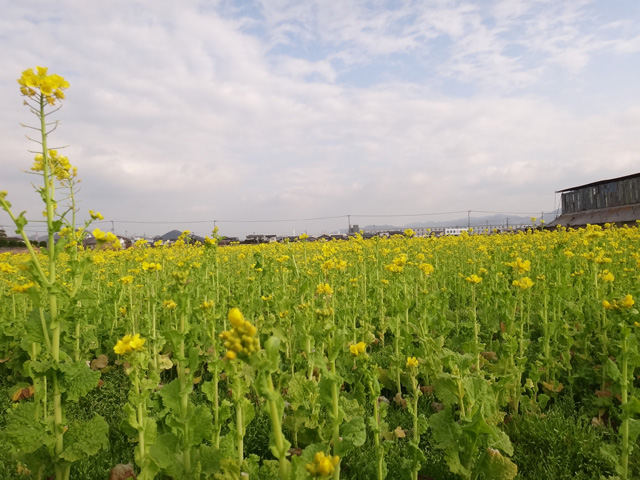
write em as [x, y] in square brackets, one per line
[610, 194]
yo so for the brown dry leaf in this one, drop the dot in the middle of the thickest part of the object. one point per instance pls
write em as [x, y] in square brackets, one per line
[603, 393]
[23, 470]
[437, 406]
[399, 432]
[295, 452]
[399, 400]
[491, 356]
[2, 360]
[553, 387]
[428, 389]
[23, 393]
[100, 362]
[122, 472]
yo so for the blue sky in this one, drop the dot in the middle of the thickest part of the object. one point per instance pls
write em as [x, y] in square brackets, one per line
[283, 109]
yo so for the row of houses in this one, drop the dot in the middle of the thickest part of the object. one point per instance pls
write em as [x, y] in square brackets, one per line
[615, 201]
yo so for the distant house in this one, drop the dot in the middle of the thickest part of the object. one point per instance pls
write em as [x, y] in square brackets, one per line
[616, 200]
[228, 241]
[260, 238]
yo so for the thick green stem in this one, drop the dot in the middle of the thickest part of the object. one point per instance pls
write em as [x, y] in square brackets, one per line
[276, 428]
[335, 413]
[624, 392]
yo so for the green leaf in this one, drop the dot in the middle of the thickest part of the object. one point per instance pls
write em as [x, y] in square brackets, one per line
[200, 425]
[634, 431]
[23, 431]
[210, 458]
[170, 395]
[353, 434]
[84, 439]
[163, 453]
[77, 380]
[448, 435]
[612, 370]
[496, 467]
[272, 349]
[499, 440]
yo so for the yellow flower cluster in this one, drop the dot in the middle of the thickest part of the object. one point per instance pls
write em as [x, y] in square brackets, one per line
[412, 362]
[206, 305]
[51, 86]
[607, 276]
[126, 280]
[324, 289]
[58, 164]
[129, 343]
[426, 268]
[520, 266]
[103, 238]
[358, 348]
[96, 215]
[323, 465]
[624, 304]
[241, 339]
[474, 279]
[524, 283]
[151, 267]
[169, 304]
[397, 264]
[23, 288]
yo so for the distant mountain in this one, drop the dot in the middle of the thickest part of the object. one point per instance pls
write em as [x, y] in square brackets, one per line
[174, 234]
[171, 236]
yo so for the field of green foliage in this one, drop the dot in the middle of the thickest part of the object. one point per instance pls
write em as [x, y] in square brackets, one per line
[471, 357]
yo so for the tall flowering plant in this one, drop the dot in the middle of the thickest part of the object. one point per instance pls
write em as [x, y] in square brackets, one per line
[58, 375]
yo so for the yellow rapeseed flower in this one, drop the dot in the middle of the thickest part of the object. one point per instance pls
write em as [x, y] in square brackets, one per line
[95, 215]
[606, 276]
[324, 289]
[51, 86]
[169, 304]
[412, 362]
[241, 341]
[524, 283]
[129, 343]
[474, 279]
[358, 348]
[323, 465]
[24, 288]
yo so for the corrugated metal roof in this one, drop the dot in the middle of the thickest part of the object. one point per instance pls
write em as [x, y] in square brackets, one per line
[600, 182]
[624, 214]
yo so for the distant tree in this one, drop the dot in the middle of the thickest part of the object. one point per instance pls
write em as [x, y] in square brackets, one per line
[3, 234]
[43, 244]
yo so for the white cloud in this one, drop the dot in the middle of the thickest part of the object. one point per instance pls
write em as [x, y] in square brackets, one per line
[176, 112]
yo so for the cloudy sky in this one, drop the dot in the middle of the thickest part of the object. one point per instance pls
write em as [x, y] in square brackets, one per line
[249, 110]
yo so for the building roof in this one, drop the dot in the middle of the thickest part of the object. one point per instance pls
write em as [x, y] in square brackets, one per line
[622, 214]
[600, 182]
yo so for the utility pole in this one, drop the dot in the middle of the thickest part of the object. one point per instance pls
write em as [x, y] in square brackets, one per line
[469, 219]
[112, 227]
[349, 220]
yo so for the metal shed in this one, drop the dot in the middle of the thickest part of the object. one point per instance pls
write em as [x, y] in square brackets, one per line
[616, 200]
